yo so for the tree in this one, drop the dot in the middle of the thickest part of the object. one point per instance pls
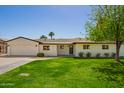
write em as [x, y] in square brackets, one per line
[43, 37]
[107, 24]
[51, 34]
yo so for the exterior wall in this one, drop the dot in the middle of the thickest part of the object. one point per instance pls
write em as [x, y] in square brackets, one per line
[51, 52]
[63, 52]
[22, 46]
[74, 50]
[122, 50]
[94, 49]
[3, 47]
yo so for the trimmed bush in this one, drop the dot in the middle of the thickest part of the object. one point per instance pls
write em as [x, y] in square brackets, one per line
[88, 54]
[106, 54]
[113, 54]
[81, 54]
[40, 54]
[98, 55]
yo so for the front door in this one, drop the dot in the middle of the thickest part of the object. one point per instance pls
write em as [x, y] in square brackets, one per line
[71, 49]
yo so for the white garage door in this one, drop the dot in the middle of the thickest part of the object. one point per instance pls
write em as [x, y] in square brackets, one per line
[23, 50]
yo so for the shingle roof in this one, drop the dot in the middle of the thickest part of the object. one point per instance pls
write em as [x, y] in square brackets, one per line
[23, 38]
[66, 41]
[63, 40]
[72, 41]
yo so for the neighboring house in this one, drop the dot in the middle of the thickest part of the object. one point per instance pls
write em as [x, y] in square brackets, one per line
[22, 46]
[3, 47]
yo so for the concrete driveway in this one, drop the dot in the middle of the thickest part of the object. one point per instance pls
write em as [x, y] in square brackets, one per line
[9, 63]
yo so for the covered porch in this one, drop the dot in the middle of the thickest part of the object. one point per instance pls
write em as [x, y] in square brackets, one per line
[65, 49]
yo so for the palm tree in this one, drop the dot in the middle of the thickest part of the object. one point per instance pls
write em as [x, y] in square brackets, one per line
[43, 37]
[51, 34]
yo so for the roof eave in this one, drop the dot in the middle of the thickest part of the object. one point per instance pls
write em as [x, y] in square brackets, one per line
[23, 38]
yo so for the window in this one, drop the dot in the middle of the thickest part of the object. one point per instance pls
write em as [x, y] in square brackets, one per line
[105, 47]
[86, 46]
[62, 47]
[46, 47]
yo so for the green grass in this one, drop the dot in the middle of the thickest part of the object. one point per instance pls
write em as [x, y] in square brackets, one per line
[66, 73]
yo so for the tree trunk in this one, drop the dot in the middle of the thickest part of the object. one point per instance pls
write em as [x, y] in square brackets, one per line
[118, 44]
[51, 37]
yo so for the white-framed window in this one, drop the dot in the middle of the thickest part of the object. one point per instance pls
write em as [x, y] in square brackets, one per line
[46, 47]
[86, 46]
[61, 46]
[105, 46]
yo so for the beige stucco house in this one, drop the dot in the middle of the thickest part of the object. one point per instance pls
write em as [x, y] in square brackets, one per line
[22, 46]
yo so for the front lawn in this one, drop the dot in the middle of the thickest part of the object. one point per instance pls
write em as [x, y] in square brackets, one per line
[66, 73]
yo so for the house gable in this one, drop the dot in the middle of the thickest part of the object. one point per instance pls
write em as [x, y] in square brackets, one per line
[22, 38]
[22, 46]
[22, 41]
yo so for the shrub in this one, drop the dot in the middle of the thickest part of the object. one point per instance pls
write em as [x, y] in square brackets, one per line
[113, 54]
[98, 55]
[40, 54]
[106, 54]
[88, 54]
[81, 54]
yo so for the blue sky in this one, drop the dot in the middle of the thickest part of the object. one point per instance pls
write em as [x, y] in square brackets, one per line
[34, 21]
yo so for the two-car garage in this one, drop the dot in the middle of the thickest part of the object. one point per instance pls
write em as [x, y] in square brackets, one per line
[22, 47]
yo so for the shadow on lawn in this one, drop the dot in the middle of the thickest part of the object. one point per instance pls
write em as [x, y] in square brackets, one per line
[111, 72]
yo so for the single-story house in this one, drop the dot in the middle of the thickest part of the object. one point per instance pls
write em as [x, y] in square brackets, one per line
[3, 47]
[22, 46]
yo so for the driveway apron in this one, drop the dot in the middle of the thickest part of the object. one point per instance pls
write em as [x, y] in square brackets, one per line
[9, 63]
